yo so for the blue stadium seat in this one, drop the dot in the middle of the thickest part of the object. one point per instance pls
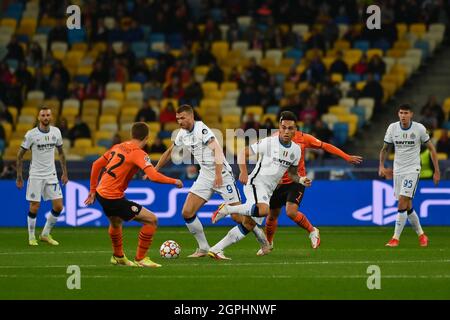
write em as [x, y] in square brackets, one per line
[216, 14]
[424, 46]
[362, 45]
[164, 134]
[147, 30]
[140, 49]
[273, 109]
[446, 125]
[175, 40]
[2, 145]
[294, 54]
[340, 132]
[76, 35]
[104, 143]
[13, 14]
[382, 44]
[43, 29]
[12, 63]
[352, 77]
[157, 37]
[361, 113]
[82, 79]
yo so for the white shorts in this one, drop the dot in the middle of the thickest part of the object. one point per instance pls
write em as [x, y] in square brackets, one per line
[47, 189]
[255, 193]
[204, 188]
[405, 185]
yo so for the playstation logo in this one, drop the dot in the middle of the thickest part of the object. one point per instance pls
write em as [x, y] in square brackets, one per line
[383, 209]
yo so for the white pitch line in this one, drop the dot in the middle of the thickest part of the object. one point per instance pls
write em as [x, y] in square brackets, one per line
[231, 264]
[200, 276]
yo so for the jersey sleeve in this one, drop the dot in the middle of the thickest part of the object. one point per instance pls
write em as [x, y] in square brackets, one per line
[27, 142]
[388, 135]
[424, 136]
[59, 139]
[206, 134]
[141, 159]
[260, 147]
[178, 139]
[312, 142]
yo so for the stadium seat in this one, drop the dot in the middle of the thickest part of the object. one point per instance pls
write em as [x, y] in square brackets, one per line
[340, 133]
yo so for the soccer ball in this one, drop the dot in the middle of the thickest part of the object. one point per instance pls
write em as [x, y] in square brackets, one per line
[170, 250]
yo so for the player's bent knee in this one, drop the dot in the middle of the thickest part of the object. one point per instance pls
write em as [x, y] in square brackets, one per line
[34, 207]
[186, 213]
[236, 218]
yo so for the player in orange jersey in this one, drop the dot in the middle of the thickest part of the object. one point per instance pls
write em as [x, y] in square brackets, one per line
[290, 194]
[116, 168]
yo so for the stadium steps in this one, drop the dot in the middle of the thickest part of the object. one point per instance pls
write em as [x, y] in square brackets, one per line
[432, 79]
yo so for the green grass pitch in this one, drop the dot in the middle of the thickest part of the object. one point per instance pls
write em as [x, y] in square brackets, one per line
[337, 270]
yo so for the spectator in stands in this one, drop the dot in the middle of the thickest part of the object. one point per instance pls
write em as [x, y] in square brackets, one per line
[204, 56]
[435, 110]
[248, 97]
[99, 73]
[191, 172]
[79, 130]
[268, 125]
[256, 40]
[94, 90]
[15, 50]
[58, 33]
[428, 119]
[193, 93]
[35, 56]
[174, 90]
[168, 114]
[377, 66]
[127, 56]
[145, 113]
[212, 31]
[257, 74]
[353, 92]
[266, 95]
[339, 65]
[119, 73]
[9, 171]
[443, 144]
[24, 76]
[56, 89]
[5, 115]
[63, 127]
[310, 111]
[373, 89]
[327, 97]
[99, 32]
[316, 40]
[158, 146]
[315, 72]
[6, 77]
[152, 89]
[321, 131]
[39, 80]
[59, 69]
[250, 122]
[361, 66]
[215, 73]
[141, 73]
[191, 33]
[132, 31]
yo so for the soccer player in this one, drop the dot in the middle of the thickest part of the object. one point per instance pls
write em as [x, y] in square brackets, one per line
[407, 136]
[277, 155]
[290, 194]
[215, 175]
[116, 168]
[42, 180]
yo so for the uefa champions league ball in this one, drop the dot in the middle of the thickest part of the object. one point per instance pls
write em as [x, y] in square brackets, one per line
[170, 250]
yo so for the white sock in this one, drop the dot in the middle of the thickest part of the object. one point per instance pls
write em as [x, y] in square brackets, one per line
[51, 221]
[234, 235]
[243, 209]
[260, 236]
[415, 223]
[31, 228]
[400, 224]
[196, 228]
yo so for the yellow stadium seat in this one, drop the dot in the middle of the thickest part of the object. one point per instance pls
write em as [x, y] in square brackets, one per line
[220, 49]
[256, 110]
[352, 120]
[371, 52]
[337, 77]
[133, 86]
[228, 86]
[14, 112]
[23, 127]
[117, 95]
[418, 29]
[84, 71]
[337, 110]
[171, 126]
[231, 118]
[270, 116]
[104, 119]
[29, 111]
[154, 126]
[442, 156]
[201, 70]
[83, 143]
[15, 143]
[103, 135]
[58, 54]
[91, 106]
[9, 22]
[80, 46]
[342, 45]
[215, 95]
[354, 54]
[401, 30]
[402, 45]
[47, 22]
[210, 86]
[7, 127]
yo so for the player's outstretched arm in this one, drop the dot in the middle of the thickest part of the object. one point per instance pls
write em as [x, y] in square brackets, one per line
[242, 159]
[164, 158]
[218, 160]
[382, 171]
[155, 176]
[338, 152]
[19, 161]
[434, 158]
[62, 160]
[293, 174]
[95, 173]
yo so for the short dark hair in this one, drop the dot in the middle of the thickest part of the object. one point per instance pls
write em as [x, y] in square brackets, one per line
[139, 131]
[185, 108]
[288, 115]
[405, 106]
[44, 108]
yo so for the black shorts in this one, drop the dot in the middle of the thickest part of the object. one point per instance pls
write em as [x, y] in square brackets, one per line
[292, 192]
[122, 208]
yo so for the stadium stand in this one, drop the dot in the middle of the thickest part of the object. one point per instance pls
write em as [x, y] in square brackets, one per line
[228, 61]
